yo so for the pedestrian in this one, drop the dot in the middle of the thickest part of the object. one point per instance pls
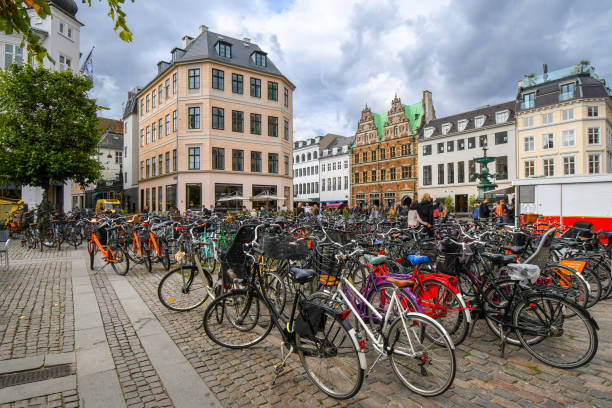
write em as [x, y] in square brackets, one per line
[425, 211]
[374, 212]
[413, 216]
[485, 211]
[476, 211]
[300, 209]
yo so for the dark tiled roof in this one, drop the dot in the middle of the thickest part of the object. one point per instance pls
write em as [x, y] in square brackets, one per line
[487, 111]
[131, 105]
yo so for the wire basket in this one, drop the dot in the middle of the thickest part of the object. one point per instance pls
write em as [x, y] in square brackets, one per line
[284, 247]
[325, 263]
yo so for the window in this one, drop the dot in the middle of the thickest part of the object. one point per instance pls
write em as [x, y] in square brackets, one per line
[569, 166]
[273, 127]
[255, 124]
[461, 124]
[528, 100]
[395, 131]
[69, 32]
[383, 175]
[405, 149]
[373, 154]
[286, 163]
[594, 163]
[141, 106]
[194, 118]
[272, 91]
[148, 135]
[567, 114]
[427, 175]
[194, 78]
[174, 121]
[153, 99]
[355, 158]
[193, 193]
[148, 168]
[428, 132]
[445, 128]
[529, 144]
[329, 184]
[479, 121]
[383, 153]
[547, 118]
[218, 79]
[593, 135]
[237, 160]
[259, 58]
[592, 111]
[567, 92]
[174, 160]
[548, 141]
[529, 168]
[148, 102]
[334, 166]
[392, 152]
[528, 122]
[373, 175]
[61, 28]
[167, 87]
[286, 96]
[440, 147]
[461, 144]
[451, 173]
[174, 82]
[356, 180]
[237, 121]
[194, 158]
[346, 181]
[167, 162]
[218, 118]
[471, 168]
[426, 150]
[142, 167]
[153, 166]
[501, 138]
[568, 138]
[256, 87]
[460, 172]
[471, 142]
[273, 163]
[256, 162]
[365, 176]
[450, 146]
[365, 157]
[153, 132]
[142, 139]
[286, 129]
[392, 173]
[501, 167]
[441, 173]
[549, 167]
[224, 49]
[502, 117]
[218, 158]
[160, 126]
[237, 83]
[64, 62]
[167, 125]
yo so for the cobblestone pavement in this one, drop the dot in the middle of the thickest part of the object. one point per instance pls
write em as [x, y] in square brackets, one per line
[243, 377]
[67, 399]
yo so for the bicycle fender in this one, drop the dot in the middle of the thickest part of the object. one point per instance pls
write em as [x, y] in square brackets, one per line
[361, 354]
[464, 305]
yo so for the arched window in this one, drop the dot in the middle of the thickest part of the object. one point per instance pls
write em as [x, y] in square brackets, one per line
[297, 158]
[303, 157]
[395, 131]
[314, 155]
[309, 156]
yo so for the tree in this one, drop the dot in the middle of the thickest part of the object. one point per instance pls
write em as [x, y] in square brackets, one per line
[14, 18]
[448, 202]
[47, 128]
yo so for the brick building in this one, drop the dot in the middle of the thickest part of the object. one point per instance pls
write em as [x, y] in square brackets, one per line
[384, 153]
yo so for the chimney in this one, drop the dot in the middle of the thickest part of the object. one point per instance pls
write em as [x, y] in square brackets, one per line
[203, 29]
[545, 68]
[186, 41]
[428, 108]
[246, 40]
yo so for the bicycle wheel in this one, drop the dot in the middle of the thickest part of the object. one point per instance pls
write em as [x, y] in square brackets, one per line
[568, 278]
[275, 290]
[423, 356]
[566, 336]
[121, 264]
[496, 301]
[594, 286]
[440, 302]
[184, 288]
[92, 254]
[146, 256]
[165, 256]
[381, 298]
[332, 358]
[237, 320]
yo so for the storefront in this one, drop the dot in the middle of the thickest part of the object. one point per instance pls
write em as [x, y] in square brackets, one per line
[224, 190]
[258, 189]
[193, 196]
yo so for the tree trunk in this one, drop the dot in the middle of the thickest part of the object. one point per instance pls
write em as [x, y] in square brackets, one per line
[44, 211]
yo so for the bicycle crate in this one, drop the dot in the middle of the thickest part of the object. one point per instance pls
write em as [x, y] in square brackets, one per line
[284, 247]
[102, 234]
[235, 258]
[340, 236]
[325, 263]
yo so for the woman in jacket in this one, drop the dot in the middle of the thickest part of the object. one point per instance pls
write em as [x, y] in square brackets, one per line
[425, 211]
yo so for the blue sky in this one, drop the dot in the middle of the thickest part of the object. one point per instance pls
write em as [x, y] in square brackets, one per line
[342, 54]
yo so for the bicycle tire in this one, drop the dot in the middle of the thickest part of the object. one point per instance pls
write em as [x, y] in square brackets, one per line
[495, 303]
[561, 275]
[325, 349]
[238, 319]
[546, 317]
[595, 289]
[429, 336]
[121, 265]
[146, 256]
[186, 291]
[165, 256]
[381, 297]
[92, 254]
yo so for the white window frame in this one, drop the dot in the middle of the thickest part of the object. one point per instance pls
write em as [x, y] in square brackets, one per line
[479, 121]
[531, 142]
[461, 125]
[445, 128]
[528, 122]
[564, 134]
[428, 132]
[502, 116]
[594, 109]
[566, 157]
[567, 114]
[598, 135]
[544, 166]
[533, 172]
[588, 163]
[547, 118]
[546, 140]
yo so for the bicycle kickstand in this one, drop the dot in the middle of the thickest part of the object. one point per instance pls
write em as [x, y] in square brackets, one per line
[502, 343]
[279, 367]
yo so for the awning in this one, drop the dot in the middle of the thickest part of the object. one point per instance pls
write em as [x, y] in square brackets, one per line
[505, 190]
[335, 206]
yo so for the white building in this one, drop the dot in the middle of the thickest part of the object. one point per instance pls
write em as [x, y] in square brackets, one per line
[130, 151]
[449, 145]
[334, 164]
[60, 34]
[306, 170]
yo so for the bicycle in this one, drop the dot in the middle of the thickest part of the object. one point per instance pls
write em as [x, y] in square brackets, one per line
[105, 243]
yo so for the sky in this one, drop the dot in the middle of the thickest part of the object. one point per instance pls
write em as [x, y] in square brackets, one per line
[344, 54]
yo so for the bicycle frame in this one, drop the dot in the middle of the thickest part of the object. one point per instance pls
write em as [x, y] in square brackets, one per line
[99, 247]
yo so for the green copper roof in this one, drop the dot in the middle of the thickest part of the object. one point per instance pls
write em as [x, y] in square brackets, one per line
[379, 122]
[409, 110]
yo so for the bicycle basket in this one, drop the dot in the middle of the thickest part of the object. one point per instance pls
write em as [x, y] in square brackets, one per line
[311, 319]
[339, 236]
[102, 234]
[284, 247]
[324, 262]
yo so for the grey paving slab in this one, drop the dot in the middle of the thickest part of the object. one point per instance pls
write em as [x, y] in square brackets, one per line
[96, 385]
[37, 389]
[183, 384]
[21, 364]
[61, 358]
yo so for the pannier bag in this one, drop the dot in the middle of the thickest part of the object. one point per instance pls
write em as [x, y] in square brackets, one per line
[310, 320]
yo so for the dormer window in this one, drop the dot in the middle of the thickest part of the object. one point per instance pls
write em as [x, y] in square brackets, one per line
[428, 132]
[224, 49]
[259, 58]
[445, 128]
[479, 121]
[502, 117]
[461, 125]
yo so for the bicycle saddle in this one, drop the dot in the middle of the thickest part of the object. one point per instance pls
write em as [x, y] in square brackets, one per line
[521, 272]
[514, 249]
[302, 275]
[375, 260]
[400, 283]
[500, 259]
[417, 259]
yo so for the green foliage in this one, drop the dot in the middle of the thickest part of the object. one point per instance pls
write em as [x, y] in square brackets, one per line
[14, 18]
[448, 202]
[471, 202]
[345, 212]
[47, 127]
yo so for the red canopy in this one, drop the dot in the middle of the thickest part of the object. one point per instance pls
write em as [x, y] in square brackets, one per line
[335, 206]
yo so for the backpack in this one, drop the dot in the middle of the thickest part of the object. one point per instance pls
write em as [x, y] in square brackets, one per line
[436, 213]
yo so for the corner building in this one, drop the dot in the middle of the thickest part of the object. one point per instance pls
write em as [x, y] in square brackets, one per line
[216, 120]
[384, 153]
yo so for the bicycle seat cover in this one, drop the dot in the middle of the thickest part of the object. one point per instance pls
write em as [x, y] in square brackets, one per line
[302, 275]
[514, 249]
[417, 259]
[401, 283]
[375, 260]
[524, 272]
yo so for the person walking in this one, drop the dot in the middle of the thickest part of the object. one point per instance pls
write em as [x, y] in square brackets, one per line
[485, 211]
[476, 211]
[425, 211]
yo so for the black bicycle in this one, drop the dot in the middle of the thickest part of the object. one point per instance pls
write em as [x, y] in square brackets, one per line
[326, 344]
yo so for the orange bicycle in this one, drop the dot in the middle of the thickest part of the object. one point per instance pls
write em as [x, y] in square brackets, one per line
[104, 241]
